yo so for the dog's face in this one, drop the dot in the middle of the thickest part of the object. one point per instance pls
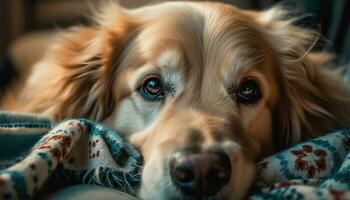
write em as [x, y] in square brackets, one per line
[203, 90]
[200, 101]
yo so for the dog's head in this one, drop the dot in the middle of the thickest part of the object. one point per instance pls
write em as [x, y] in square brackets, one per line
[202, 89]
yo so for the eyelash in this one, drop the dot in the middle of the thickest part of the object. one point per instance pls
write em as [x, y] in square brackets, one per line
[168, 88]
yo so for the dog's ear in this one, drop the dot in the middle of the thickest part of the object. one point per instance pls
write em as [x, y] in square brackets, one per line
[313, 97]
[88, 58]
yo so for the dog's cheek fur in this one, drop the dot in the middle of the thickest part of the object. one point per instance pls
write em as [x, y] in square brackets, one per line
[314, 99]
[156, 181]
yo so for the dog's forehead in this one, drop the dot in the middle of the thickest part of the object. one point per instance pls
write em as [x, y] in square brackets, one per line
[203, 36]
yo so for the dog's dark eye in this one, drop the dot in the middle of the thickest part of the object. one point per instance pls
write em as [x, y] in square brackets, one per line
[152, 89]
[248, 92]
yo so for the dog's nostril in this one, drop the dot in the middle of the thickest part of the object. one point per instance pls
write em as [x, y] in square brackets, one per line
[200, 174]
[219, 173]
[183, 173]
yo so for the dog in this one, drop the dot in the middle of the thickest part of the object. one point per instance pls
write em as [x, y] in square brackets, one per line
[204, 90]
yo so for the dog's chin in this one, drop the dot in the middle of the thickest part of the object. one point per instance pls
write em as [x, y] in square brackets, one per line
[181, 196]
[157, 183]
[167, 191]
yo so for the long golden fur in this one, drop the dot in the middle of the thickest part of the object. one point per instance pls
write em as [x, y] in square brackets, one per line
[204, 50]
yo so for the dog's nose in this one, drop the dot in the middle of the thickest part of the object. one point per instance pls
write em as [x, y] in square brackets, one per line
[200, 174]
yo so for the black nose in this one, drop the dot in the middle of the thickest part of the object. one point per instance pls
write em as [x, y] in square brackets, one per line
[200, 174]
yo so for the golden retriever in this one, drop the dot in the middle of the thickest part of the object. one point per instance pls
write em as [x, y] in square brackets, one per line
[202, 89]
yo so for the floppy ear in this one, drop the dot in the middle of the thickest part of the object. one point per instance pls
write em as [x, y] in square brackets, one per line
[314, 99]
[87, 61]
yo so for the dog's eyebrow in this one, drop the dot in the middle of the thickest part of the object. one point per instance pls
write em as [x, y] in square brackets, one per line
[169, 58]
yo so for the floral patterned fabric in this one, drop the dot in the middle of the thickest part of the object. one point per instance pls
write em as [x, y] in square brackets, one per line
[76, 151]
[317, 169]
[36, 155]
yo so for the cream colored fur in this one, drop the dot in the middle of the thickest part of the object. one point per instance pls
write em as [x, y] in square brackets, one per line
[203, 50]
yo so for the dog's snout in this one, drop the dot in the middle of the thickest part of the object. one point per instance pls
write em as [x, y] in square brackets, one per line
[200, 174]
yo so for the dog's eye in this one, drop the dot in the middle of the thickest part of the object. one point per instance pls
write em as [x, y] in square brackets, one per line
[152, 89]
[248, 92]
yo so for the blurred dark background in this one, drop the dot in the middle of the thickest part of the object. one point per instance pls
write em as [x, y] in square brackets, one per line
[26, 25]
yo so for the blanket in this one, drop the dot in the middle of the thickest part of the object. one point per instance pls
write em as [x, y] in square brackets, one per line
[316, 169]
[36, 154]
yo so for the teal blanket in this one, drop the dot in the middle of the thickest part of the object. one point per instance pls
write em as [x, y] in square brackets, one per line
[37, 155]
[316, 169]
